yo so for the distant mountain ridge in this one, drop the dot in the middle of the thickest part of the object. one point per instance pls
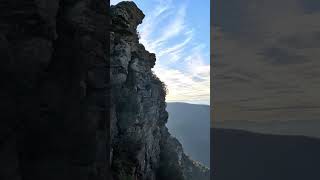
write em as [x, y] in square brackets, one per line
[190, 124]
[238, 154]
[308, 128]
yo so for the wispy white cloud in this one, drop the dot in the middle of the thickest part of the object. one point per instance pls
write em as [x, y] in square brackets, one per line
[176, 47]
[196, 65]
[174, 28]
[114, 2]
[190, 83]
[181, 61]
[159, 14]
[183, 86]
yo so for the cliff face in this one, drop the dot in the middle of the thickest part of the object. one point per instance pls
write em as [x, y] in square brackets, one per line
[53, 66]
[142, 147]
[55, 94]
[138, 98]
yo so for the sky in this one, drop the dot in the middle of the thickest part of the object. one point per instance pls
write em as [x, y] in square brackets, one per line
[266, 60]
[178, 32]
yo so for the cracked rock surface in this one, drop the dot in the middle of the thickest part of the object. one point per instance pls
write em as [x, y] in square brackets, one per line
[142, 147]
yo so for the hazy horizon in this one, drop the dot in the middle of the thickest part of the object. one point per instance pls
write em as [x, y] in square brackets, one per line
[185, 120]
[192, 103]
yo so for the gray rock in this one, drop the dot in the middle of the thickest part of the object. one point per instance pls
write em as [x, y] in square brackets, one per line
[55, 90]
[53, 95]
[142, 146]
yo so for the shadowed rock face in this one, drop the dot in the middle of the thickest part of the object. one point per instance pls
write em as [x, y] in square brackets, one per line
[53, 55]
[142, 147]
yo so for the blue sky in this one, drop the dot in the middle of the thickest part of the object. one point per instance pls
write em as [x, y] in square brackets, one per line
[178, 32]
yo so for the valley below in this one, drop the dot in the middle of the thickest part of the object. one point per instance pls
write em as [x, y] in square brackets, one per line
[238, 154]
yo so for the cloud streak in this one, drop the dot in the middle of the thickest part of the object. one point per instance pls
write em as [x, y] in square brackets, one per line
[182, 62]
[271, 59]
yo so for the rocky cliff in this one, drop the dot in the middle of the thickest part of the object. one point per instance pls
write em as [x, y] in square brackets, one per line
[53, 117]
[142, 147]
[55, 95]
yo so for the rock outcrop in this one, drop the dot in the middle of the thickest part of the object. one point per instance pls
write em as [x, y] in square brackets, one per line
[53, 120]
[55, 96]
[142, 147]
